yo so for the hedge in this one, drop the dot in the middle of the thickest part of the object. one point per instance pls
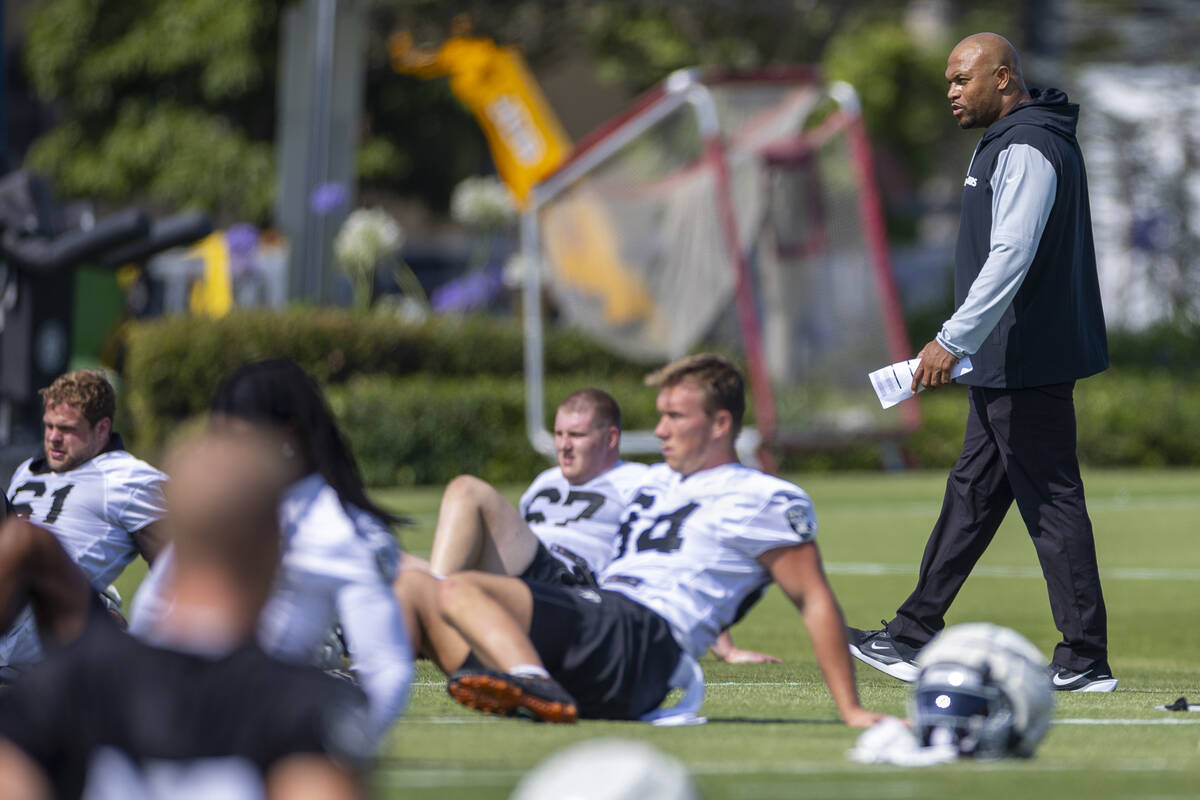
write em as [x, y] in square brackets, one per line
[425, 430]
[423, 403]
[171, 366]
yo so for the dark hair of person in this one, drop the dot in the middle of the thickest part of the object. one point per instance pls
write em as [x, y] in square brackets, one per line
[278, 392]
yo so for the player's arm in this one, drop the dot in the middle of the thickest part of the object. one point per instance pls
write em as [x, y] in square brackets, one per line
[20, 777]
[797, 570]
[149, 541]
[312, 777]
[380, 652]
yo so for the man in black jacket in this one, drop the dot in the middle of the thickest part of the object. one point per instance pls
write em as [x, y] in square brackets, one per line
[1028, 313]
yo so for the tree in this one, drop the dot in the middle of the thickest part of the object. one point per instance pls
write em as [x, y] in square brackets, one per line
[168, 102]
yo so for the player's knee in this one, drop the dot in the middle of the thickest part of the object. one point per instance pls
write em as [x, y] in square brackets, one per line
[454, 597]
[467, 489]
[21, 541]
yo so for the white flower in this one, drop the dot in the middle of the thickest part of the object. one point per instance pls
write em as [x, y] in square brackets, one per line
[365, 238]
[517, 267]
[482, 202]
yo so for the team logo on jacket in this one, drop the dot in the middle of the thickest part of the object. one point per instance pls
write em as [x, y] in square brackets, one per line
[591, 595]
[801, 522]
[970, 181]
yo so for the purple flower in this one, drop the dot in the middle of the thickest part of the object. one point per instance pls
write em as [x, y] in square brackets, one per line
[328, 198]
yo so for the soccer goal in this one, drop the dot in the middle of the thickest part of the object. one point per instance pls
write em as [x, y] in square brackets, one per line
[728, 211]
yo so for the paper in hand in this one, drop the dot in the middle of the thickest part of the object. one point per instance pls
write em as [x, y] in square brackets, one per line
[893, 383]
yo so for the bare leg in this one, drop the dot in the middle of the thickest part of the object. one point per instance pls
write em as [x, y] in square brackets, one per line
[493, 612]
[35, 568]
[478, 529]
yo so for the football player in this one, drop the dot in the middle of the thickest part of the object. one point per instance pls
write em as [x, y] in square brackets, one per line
[339, 555]
[206, 712]
[102, 503]
[564, 528]
[702, 536]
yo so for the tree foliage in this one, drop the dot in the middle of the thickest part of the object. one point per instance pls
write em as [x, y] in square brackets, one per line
[168, 102]
[175, 102]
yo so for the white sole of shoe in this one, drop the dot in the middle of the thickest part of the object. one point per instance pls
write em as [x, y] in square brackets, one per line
[1099, 686]
[901, 670]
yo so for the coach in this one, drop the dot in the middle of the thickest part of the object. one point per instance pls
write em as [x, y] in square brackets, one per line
[1029, 314]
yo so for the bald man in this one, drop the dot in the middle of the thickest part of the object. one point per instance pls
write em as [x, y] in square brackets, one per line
[1028, 313]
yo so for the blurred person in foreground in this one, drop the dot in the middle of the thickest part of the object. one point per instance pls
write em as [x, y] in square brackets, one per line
[205, 711]
[339, 555]
[564, 529]
[102, 503]
[703, 536]
[1029, 315]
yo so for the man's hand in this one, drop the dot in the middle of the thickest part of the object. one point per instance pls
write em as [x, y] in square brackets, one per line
[934, 369]
[859, 717]
[725, 650]
[737, 655]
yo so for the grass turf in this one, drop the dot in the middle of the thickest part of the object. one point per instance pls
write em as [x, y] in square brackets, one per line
[773, 731]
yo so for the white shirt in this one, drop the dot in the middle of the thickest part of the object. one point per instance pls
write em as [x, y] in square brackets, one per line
[338, 564]
[582, 518]
[688, 548]
[93, 510]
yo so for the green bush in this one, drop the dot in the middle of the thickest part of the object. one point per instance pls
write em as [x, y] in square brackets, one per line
[422, 403]
[172, 365]
[1123, 418]
[425, 430]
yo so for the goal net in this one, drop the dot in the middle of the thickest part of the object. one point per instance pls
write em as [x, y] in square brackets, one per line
[737, 213]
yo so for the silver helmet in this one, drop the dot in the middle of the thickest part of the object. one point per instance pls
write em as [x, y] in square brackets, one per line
[982, 688]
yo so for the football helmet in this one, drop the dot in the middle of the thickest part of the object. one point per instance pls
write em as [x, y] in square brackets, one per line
[983, 689]
[608, 769]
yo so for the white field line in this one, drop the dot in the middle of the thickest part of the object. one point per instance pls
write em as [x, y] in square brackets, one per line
[1115, 573]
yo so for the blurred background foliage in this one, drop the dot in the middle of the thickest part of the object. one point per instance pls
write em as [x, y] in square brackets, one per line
[174, 104]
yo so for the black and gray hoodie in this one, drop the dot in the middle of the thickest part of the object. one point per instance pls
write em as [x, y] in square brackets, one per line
[1026, 292]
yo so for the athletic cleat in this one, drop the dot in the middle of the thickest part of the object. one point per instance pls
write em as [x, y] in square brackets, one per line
[884, 653]
[539, 699]
[1097, 679]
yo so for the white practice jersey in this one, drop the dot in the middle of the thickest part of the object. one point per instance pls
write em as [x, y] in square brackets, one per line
[688, 548]
[338, 565]
[93, 509]
[581, 519]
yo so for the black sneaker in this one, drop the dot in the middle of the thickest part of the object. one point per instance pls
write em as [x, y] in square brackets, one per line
[882, 652]
[1097, 679]
[540, 699]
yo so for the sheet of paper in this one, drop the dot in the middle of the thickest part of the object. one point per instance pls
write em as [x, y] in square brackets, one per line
[893, 382]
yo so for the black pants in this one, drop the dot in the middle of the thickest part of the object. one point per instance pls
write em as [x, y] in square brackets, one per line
[1019, 445]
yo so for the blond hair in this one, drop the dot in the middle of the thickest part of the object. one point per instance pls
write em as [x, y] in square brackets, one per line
[87, 390]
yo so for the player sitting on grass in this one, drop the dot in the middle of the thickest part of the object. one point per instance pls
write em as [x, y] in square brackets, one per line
[102, 503]
[566, 525]
[702, 535]
[339, 556]
[204, 714]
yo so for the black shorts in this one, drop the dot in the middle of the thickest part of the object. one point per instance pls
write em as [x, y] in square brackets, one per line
[546, 568]
[613, 655]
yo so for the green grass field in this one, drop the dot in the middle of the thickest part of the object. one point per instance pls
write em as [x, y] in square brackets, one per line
[772, 730]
